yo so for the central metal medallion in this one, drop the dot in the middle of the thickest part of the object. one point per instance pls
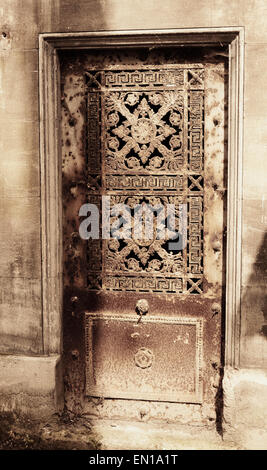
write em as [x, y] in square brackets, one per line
[143, 131]
[143, 358]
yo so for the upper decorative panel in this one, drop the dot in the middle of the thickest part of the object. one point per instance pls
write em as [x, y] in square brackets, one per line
[144, 136]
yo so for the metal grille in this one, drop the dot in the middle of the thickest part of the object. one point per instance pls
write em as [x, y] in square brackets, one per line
[145, 145]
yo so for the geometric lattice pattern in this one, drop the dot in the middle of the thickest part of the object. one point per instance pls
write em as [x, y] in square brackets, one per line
[145, 145]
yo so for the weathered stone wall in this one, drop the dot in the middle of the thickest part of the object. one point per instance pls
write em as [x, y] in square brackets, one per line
[20, 261]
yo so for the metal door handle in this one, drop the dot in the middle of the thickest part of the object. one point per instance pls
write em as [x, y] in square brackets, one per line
[141, 308]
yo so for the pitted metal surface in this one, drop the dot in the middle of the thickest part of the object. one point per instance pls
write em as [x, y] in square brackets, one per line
[143, 126]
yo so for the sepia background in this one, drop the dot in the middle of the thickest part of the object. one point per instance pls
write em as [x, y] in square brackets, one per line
[20, 261]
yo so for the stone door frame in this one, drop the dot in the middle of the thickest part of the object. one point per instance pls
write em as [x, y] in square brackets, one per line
[50, 163]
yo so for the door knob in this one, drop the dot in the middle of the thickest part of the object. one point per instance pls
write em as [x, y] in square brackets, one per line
[141, 307]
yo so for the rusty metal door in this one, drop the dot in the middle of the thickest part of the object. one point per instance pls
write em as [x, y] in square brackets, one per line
[144, 321]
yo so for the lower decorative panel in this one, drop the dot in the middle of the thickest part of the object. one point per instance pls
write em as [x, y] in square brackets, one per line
[158, 358]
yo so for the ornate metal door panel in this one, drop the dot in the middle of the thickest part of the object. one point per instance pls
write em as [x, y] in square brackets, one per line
[147, 149]
[137, 357]
[146, 135]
